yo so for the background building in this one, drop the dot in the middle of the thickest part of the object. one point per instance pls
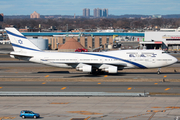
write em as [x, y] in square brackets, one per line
[95, 12]
[86, 12]
[105, 12]
[35, 15]
[99, 13]
[1, 17]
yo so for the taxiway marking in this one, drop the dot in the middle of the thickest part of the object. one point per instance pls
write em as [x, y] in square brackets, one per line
[87, 118]
[1, 118]
[63, 88]
[85, 112]
[167, 89]
[47, 76]
[59, 103]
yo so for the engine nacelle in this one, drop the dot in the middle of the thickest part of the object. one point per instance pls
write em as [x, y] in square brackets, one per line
[84, 68]
[111, 69]
[12, 56]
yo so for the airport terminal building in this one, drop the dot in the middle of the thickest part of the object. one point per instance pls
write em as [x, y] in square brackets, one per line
[86, 39]
[166, 39]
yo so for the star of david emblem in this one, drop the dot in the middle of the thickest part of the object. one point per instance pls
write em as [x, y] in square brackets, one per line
[20, 41]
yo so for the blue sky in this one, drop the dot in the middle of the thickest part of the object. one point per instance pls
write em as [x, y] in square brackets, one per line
[71, 7]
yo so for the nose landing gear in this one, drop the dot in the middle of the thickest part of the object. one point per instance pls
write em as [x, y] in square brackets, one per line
[159, 72]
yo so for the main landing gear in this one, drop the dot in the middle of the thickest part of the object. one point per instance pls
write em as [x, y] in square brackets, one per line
[97, 72]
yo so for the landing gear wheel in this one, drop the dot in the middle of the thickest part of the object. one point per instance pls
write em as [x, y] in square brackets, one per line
[100, 72]
[159, 72]
[93, 72]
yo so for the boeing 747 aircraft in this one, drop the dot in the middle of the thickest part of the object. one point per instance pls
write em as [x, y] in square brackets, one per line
[91, 62]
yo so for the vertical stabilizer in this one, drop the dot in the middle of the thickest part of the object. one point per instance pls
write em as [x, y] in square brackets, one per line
[19, 42]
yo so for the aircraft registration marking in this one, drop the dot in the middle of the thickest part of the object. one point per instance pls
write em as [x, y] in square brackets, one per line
[63, 88]
[129, 88]
[167, 89]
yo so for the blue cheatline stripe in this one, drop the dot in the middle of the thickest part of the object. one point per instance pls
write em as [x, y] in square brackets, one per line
[15, 45]
[107, 56]
[8, 32]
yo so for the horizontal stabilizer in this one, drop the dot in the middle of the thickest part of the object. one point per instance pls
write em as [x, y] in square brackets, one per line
[20, 54]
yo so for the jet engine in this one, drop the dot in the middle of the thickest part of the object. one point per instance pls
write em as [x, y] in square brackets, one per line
[84, 68]
[111, 69]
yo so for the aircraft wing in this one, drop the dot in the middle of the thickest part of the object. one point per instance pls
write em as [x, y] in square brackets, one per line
[97, 65]
[107, 64]
[87, 67]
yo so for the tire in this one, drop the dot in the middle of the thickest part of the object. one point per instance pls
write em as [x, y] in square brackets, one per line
[34, 117]
[158, 72]
[23, 117]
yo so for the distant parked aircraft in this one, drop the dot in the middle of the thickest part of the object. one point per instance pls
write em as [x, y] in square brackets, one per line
[92, 62]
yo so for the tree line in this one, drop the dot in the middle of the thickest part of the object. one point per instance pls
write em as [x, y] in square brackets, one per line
[101, 23]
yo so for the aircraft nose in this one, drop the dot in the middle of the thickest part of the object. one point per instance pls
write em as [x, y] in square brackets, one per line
[174, 60]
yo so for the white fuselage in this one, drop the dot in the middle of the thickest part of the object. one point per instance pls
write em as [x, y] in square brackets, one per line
[121, 58]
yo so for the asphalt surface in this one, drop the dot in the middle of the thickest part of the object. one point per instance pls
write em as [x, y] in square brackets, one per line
[12, 79]
[153, 88]
[64, 73]
[92, 108]
[5, 48]
[162, 103]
